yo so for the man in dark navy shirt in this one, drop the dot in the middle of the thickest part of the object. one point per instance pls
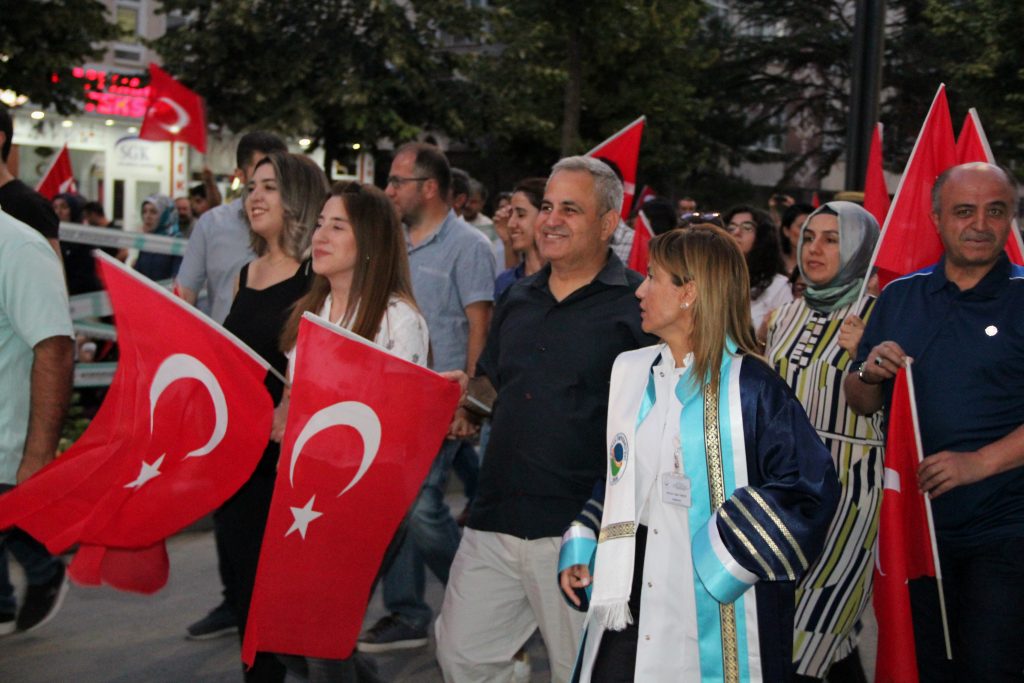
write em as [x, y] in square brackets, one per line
[549, 355]
[962, 321]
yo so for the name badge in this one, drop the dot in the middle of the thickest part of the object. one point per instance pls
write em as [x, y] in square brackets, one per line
[675, 489]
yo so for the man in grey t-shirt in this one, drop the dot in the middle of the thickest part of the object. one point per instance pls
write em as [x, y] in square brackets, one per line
[219, 244]
[453, 280]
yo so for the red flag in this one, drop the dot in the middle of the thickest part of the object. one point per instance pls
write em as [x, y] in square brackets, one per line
[363, 429]
[174, 112]
[876, 194]
[59, 177]
[642, 236]
[183, 426]
[624, 149]
[972, 145]
[909, 240]
[815, 200]
[906, 548]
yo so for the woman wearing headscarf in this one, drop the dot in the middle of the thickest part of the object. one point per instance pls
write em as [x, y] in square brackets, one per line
[158, 218]
[79, 266]
[718, 490]
[812, 343]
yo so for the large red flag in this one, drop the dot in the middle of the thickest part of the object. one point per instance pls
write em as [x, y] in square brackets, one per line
[183, 426]
[909, 240]
[876, 194]
[624, 149]
[906, 543]
[972, 145]
[642, 236]
[174, 112]
[363, 429]
[59, 177]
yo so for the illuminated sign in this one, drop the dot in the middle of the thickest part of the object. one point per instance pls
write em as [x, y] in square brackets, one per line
[111, 94]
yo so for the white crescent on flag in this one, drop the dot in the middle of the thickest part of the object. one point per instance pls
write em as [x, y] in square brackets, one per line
[183, 118]
[183, 366]
[353, 414]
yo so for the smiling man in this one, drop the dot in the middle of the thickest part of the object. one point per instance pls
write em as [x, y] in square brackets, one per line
[549, 355]
[960, 320]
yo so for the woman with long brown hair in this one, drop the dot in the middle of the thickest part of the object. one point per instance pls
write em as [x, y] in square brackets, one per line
[716, 483]
[281, 202]
[362, 280]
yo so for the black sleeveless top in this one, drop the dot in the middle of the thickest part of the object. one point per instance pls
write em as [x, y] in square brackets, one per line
[257, 317]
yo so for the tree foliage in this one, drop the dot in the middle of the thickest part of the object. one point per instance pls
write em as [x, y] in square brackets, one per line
[339, 71]
[40, 38]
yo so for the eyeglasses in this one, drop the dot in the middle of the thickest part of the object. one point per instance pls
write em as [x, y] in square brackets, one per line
[396, 181]
[746, 226]
[694, 217]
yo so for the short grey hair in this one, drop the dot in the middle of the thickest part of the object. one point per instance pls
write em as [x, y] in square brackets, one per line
[940, 182]
[606, 184]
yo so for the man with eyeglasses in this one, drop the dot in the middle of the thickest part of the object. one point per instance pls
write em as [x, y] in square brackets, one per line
[453, 276]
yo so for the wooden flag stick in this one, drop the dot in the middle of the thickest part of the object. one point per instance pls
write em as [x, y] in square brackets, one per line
[928, 511]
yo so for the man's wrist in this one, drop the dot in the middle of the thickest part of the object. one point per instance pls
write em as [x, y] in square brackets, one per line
[863, 377]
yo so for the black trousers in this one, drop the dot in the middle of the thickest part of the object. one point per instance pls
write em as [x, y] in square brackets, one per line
[616, 657]
[984, 590]
[238, 527]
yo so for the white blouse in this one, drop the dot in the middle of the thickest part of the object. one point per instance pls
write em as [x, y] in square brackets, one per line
[403, 332]
[777, 293]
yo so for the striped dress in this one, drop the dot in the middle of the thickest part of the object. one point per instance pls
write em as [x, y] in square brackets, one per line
[803, 346]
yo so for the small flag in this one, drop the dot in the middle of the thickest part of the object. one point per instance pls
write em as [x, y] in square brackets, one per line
[174, 112]
[59, 177]
[909, 241]
[639, 252]
[623, 148]
[876, 194]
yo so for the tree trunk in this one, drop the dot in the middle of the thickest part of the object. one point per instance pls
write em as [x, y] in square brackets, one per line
[573, 93]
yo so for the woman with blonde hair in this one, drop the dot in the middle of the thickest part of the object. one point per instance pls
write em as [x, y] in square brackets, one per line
[718, 490]
[281, 203]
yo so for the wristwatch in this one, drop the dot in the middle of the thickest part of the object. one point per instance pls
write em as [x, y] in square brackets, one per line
[860, 374]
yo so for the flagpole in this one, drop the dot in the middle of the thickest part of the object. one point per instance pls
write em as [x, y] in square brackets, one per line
[928, 511]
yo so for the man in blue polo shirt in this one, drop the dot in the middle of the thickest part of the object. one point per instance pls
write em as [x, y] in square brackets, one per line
[961, 321]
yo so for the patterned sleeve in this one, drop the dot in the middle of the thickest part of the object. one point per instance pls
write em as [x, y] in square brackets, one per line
[774, 529]
[579, 542]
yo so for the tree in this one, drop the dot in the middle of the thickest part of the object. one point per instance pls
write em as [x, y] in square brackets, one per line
[338, 71]
[40, 42]
[558, 78]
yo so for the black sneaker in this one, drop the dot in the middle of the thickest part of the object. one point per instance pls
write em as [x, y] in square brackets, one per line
[391, 633]
[43, 601]
[8, 623]
[221, 621]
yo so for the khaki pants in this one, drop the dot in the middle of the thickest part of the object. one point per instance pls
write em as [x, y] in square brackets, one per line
[500, 589]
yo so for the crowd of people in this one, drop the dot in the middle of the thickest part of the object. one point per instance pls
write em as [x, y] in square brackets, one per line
[673, 475]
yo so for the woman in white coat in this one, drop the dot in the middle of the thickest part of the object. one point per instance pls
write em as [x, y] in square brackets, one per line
[718, 490]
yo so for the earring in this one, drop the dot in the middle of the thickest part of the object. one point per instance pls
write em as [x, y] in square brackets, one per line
[684, 305]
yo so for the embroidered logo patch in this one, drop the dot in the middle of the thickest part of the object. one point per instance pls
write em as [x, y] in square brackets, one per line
[618, 456]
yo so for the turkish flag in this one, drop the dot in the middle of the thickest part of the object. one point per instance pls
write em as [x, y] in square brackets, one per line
[363, 429]
[876, 194]
[174, 112]
[183, 426]
[909, 240]
[59, 177]
[972, 145]
[624, 149]
[906, 547]
[642, 236]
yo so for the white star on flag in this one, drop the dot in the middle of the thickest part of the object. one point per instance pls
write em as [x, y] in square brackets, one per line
[303, 516]
[146, 472]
